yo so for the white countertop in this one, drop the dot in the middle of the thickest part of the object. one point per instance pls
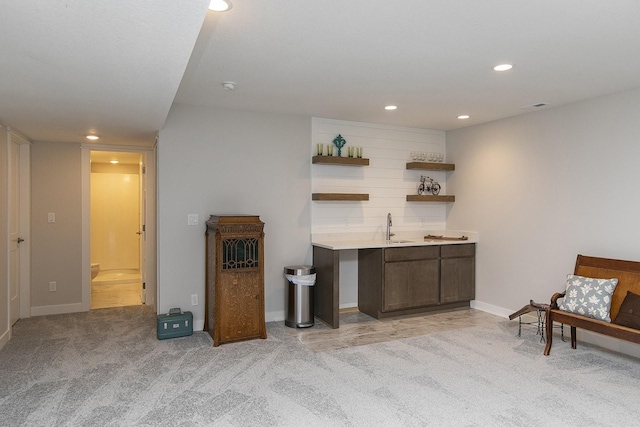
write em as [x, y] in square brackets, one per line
[341, 241]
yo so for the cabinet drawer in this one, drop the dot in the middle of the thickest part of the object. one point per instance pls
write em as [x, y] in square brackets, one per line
[411, 253]
[455, 251]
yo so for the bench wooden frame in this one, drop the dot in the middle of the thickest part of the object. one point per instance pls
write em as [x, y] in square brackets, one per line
[628, 275]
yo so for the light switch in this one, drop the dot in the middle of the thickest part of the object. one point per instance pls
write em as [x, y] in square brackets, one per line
[51, 217]
[192, 219]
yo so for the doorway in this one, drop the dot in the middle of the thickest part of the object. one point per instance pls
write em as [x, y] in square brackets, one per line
[118, 228]
[18, 175]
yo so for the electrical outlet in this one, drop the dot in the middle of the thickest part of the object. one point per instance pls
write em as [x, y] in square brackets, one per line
[194, 299]
[346, 223]
[192, 219]
[52, 286]
[51, 217]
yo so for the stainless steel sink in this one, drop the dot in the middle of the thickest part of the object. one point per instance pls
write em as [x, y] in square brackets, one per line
[393, 242]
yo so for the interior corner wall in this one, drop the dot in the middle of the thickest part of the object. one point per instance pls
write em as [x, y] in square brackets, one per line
[56, 247]
[543, 187]
[5, 327]
[214, 161]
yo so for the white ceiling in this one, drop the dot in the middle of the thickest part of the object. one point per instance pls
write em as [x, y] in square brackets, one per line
[69, 67]
[114, 66]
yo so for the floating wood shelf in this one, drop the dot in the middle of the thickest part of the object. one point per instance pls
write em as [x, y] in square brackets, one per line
[341, 161]
[346, 197]
[417, 198]
[431, 166]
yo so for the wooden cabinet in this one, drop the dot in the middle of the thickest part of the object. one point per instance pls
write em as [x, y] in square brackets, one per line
[457, 273]
[410, 277]
[234, 302]
[395, 281]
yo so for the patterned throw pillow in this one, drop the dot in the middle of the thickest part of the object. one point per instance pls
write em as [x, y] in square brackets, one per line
[589, 297]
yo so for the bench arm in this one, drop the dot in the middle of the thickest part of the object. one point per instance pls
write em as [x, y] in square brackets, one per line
[555, 297]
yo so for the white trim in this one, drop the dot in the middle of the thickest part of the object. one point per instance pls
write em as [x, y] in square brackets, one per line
[493, 309]
[151, 220]
[613, 344]
[4, 338]
[85, 173]
[124, 148]
[25, 230]
[45, 310]
[198, 325]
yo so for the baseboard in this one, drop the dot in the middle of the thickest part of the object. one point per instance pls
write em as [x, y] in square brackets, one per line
[609, 343]
[45, 310]
[4, 339]
[492, 309]
[274, 316]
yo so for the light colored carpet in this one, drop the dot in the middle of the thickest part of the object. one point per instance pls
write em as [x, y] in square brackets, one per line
[107, 368]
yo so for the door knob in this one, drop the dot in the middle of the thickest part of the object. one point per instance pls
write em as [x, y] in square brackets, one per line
[19, 240]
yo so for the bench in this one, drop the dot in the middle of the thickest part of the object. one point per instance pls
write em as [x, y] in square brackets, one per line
[628, 275]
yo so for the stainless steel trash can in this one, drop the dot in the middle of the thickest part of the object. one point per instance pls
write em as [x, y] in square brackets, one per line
[300, 282]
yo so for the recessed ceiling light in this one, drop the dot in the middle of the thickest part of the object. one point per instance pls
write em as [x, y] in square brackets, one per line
[93, 137]
[391, 107]
[503, 67]
[113, 162]
[463, 117]
[220, 5]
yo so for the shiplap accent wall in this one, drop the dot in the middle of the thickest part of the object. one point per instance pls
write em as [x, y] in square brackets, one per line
[386, 179]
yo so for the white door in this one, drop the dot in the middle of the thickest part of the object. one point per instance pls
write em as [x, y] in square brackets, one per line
[14, 231]
[142, 229]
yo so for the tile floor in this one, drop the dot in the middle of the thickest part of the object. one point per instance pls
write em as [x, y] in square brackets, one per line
[116, 295]
[360, 329]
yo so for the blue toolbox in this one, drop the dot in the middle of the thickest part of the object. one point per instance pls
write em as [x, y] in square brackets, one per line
[175, 324]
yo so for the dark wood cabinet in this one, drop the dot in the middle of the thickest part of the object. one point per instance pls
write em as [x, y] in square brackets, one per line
[410, 277]
[457, 273]
[234, 303]
[405, 280]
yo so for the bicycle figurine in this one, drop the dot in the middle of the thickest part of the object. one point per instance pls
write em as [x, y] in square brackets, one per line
[428, 187]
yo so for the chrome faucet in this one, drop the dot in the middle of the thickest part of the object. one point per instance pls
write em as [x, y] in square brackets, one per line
[389, 224]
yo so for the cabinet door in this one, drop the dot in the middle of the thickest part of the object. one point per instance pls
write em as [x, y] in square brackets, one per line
[457, 279]
[410, 284]
[240, 305]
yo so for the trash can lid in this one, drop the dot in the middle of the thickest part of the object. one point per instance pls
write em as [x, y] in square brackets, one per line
[300, 270]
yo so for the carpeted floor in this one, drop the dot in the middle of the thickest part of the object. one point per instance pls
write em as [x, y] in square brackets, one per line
[106, 368]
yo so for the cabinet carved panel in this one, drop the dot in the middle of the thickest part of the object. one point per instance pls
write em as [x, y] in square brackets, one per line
[234, 305]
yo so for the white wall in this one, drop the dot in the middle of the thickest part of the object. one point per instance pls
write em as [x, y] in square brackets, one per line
[56, 247]
[115, 216]
[543, 187]
[386, 180]
[213, 161]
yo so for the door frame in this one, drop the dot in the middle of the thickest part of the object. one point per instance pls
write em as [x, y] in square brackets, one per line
[24, 218]
[150, 267]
